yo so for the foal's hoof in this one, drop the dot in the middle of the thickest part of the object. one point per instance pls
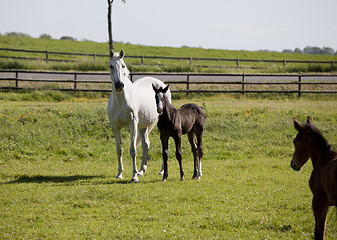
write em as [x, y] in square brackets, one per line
[140, 173]
[161, 172]
[142, 170]
[135, 180]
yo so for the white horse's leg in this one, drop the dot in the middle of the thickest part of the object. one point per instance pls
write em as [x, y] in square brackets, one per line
[144, 135]
[133, 149]
[119, 150]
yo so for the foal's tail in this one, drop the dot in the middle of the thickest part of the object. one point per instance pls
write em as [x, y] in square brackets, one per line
[139, 140]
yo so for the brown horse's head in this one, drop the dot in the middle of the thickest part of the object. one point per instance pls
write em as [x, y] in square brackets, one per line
[302, 151]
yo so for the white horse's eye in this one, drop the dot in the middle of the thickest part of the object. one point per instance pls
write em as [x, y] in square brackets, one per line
[123, 66]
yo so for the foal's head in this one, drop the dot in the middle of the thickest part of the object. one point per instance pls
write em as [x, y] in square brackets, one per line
[308, 141]
[118, 70]
[160, 97]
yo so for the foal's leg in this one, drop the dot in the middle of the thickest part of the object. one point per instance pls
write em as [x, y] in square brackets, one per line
[144, 135]
[200, 149]
[119, 150]
[177, 140]
[191, 139]
[133, 149]
[320, 211]
[164, 143]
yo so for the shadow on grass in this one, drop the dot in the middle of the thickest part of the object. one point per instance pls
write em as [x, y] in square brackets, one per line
[51, 179]
[68, 179]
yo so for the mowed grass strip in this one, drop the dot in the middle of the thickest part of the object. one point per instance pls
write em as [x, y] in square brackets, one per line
[58, 167]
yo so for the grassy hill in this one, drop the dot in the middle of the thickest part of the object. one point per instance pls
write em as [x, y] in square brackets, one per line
[88, 47]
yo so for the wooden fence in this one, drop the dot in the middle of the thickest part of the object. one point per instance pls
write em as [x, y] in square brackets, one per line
[180, 82]
[142, 59]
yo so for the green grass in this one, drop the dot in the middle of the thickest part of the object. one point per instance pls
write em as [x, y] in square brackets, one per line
[159, 65]
[58, 167]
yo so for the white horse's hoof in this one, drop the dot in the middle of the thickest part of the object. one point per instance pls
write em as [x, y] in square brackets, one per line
[140, 173]
[119, 176]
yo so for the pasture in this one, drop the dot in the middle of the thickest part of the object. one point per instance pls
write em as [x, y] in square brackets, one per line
[58, 166]
[86, 63]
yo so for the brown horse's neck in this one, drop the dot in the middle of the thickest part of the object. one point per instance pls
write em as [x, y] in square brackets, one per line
[321, 151]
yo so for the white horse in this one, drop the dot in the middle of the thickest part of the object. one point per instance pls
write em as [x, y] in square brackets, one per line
[131, 105]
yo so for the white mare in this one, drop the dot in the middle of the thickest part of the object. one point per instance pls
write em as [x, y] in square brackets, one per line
[131, 105]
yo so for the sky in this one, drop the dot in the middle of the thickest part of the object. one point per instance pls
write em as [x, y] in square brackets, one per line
[215, 24]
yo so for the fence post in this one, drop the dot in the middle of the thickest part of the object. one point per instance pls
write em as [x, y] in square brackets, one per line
[299, 85]
[237, 64]
[94, 56]
[47, 56]
[187, 83]
[332, 64]
[142, 60]
[190, 61]
[75, 80]
[243, 84]
[16, 78]
[284, 63]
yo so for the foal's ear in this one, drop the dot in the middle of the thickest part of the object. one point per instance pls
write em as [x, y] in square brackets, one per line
[111, 53]
[121, 53]
[298, 126]
[166, 88]
[154, 88]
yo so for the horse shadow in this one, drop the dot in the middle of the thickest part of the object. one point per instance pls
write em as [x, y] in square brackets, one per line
[52, 179]
[69, 179]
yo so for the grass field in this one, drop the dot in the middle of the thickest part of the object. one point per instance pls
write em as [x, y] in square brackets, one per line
[154, 65]
[58, 167]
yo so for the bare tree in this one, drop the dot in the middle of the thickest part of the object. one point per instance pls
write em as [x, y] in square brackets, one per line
[111, 43]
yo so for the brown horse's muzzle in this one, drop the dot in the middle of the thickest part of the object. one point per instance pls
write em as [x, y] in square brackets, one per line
[294, 166]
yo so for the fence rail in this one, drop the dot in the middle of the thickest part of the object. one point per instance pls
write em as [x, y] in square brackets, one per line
[142, 59]
[180, 82]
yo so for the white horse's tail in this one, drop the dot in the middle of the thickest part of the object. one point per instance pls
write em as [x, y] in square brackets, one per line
[139, 140]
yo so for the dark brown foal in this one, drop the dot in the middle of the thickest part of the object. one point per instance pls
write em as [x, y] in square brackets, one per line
[190, 120]
[309, 143]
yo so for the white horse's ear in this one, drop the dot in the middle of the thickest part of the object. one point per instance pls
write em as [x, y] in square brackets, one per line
[121, 54]
[111, 53]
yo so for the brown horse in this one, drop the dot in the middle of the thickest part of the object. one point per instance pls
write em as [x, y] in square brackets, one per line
[309, 143]
[190, 120]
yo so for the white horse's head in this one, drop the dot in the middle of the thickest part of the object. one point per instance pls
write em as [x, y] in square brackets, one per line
[119, 73]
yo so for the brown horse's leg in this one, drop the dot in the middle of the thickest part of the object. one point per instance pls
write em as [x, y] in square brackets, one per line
[164, 143]
[320, 208]
[177, 140]
[191, 139]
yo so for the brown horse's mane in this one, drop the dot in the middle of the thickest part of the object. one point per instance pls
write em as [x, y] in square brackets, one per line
[318, 138]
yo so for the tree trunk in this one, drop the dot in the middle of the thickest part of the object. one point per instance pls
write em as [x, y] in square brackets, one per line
[111, 44]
